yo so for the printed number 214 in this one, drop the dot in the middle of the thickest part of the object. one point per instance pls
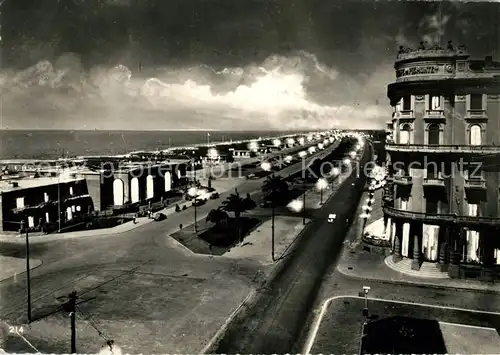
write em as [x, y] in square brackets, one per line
[16, 330]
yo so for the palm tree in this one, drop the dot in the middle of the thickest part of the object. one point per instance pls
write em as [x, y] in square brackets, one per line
[217, 216]
[236, 204]
[274, 189]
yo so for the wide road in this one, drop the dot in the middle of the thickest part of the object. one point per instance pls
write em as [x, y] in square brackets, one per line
[274, 322]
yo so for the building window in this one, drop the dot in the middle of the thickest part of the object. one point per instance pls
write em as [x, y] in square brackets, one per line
[31, 221]
[435, 103]
[46, 197]
[431, 205]
[406, 103]
[475, 135]
[78, 208]
[476, 101]
[433, 134]
[71, 190]
[20, 202]
[404, 135]
[404, 205]
[473, 210]
[73, 209]
[47, 217]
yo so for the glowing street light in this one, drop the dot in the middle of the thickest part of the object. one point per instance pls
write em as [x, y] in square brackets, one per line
[213, 153]
[295, 205]
[266, 166]
[253, 146]
[321, 184]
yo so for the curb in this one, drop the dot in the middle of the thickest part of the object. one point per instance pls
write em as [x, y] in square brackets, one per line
[417, 284]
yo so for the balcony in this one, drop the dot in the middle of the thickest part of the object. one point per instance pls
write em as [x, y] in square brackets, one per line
[402, 180]
[475, 183]
[405, 115]
[458, 149]
[433, 182]
[476, 115]
[466, 221]
[434, 115]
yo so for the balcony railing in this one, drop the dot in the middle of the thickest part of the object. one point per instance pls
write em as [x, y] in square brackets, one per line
[475, 183]
[434, 181]
[440, 218]
[428, 148]
[476, 114]
[402, 180]
[434, 114]
[406, 114]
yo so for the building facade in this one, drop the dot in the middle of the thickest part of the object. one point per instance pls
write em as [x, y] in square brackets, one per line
[442, 201]
[116, 185]
[39, 201]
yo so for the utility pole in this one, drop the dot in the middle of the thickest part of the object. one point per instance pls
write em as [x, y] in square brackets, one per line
[59, 202]
[71, 308]
[28, 277]
[272, 230]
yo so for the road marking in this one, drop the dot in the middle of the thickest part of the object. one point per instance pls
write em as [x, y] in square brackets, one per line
[326, 304]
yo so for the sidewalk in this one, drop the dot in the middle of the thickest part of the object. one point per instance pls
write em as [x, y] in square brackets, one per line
[257, 244]
[10, 267]
[359, 264]
[125, 227]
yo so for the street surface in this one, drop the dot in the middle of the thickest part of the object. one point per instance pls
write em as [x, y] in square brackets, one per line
[339, 327]
[273, 323]
[149, 294]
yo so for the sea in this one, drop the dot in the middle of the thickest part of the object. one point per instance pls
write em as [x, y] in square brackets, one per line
[54, 144]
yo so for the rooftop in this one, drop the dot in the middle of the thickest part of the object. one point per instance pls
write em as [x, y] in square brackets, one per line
[29, 182]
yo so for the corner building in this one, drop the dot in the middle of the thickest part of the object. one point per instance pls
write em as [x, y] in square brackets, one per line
[442, 202]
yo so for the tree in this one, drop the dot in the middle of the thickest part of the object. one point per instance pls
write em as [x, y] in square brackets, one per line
[218, 216]
[236, 204]
[274, 188]
[250, 204]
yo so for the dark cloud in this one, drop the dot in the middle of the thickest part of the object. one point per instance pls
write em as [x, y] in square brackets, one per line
[249, 64]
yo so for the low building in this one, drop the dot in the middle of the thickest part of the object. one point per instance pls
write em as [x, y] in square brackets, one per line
[120, 183]
[42, 200]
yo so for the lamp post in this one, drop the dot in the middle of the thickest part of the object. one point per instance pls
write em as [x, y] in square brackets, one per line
[59, 202]
[266, 166]
[28, 268]
[193, 191]
[321, 184]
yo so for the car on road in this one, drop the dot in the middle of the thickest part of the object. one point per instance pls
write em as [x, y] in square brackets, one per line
[199, 202]
[214, 195]
[332, 217]
[159, 216]
[265, 204]
[251, 176]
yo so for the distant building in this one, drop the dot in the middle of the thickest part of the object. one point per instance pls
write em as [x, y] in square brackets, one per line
[442, 204]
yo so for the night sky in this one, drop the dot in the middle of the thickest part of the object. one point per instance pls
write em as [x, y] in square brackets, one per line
[218, 64]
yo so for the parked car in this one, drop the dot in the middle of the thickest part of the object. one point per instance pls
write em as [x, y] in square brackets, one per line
[159, 216]
[199, 202]
[265, 204]
[214, 196]
[251, 176]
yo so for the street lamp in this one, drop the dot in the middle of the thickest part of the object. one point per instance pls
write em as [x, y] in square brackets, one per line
[266, 166]
[321, 184]
[193, 192]
[28, 268]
